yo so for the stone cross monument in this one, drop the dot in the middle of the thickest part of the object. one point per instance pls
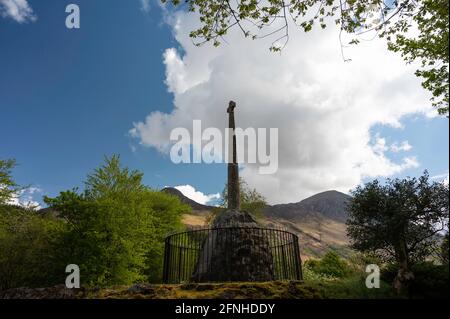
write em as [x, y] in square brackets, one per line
[235, 249]
[233, 167]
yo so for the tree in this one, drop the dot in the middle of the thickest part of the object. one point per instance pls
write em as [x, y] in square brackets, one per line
[393, 20]
[116, 227]
[398, 221]
[444, 250]
[26, 238]
[430, 47]
[8, 187]
[251, 201]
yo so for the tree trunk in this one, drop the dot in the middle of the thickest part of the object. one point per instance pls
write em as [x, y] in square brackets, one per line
[404, 276]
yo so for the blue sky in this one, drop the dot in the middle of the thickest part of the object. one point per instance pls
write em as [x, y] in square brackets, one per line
[69, 97]
[430, 138]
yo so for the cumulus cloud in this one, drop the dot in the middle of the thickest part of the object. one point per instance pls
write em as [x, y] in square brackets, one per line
[324, 108]
[25, 198]
[190, 192]
[18, 10]
[403, 146]
[380, 146]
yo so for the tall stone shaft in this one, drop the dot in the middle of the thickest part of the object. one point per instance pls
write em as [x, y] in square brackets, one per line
[235, 249]
[234, 201]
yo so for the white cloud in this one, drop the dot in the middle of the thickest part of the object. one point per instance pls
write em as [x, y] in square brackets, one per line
[145, 5]
[403, 146]
[441, 177]
[380, 145]
[25, 198]
[324, 108]
[190, 192]
[18, 10]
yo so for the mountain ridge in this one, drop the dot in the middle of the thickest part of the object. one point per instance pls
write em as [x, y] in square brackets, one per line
[186, 200]
[328, 204]
[318, 221]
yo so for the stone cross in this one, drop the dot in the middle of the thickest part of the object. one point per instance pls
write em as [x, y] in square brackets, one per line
[234, 201]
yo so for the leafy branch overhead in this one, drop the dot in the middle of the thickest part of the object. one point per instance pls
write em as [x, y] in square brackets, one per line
[394, 20]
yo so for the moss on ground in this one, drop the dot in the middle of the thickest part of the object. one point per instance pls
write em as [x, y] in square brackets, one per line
[342, 288]
[237, 290]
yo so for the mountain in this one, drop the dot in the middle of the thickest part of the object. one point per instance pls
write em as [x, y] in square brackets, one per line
[186, 200]
[318, 221]
[330, 204]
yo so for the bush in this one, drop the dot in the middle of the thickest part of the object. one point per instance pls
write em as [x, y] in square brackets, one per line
[330, 265]
[353, 287]
[27, 248]
[430, 280]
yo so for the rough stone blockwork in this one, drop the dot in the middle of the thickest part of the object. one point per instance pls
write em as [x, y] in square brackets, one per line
[236, 250]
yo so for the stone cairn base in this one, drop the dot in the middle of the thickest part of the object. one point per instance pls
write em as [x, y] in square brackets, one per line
[236, 249]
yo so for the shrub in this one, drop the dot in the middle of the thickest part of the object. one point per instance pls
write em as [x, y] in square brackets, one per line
[430, 280]
[27, 248]
[330, 265]
[353, 287]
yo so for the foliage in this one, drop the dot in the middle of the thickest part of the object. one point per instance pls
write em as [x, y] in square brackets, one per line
[8, 187]
[398, 221]
[334, 277]
[353, 287]
[430, 47]
[27, 254]
[358, 261]
[251, 201]
[114, 231]
[444, 250]
[330, 265]
[393, 20]
[26, 238]
[430, 280]
[401, 215]
[116, 226]
[310, 275]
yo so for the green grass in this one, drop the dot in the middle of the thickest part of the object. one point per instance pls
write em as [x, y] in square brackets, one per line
[352, 287]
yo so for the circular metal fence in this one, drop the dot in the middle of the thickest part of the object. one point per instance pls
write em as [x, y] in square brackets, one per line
[231, 254]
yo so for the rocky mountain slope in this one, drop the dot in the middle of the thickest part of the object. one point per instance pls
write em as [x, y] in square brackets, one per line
[330, 204]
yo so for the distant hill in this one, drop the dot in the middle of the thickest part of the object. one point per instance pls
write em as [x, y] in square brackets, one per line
[330, 204]
[186, 200]
[318, 221]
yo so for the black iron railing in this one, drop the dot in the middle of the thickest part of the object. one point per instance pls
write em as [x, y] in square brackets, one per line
[224, 254]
